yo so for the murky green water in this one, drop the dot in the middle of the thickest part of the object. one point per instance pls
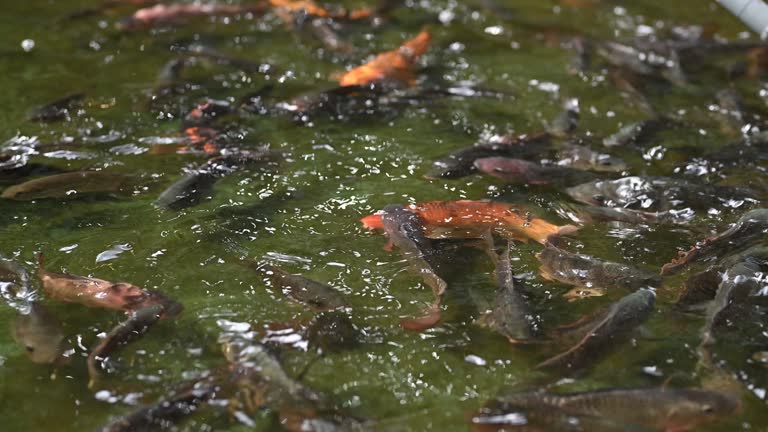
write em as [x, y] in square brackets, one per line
[310, 208]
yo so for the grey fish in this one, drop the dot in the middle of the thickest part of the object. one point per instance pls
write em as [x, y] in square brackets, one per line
[656, 59]
[510, 314]
[584, 158]
[461, 163]
[750, 228]
[56, 110]
[589, 272]
[41, 335]
[318, 296]
[518, 171]
[632, 133]
[567, 121]
[605, 332]
[69, 186]
[406, 231]
[662, 409]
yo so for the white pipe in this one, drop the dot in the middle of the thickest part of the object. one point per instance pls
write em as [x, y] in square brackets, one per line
[753, 13]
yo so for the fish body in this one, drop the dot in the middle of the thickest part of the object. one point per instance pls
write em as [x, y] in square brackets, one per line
[41, 335]
[188, 191]
[56, 110]
[510, 314]
[605, 332]
[518, 171]
[660, 409]
[163, 14]
[318, 296]
[68, 186]
[473, 219]
[589, 272]
[584, 158]
[750, 228]
[631, 133]
[391, 65]
[461, 163]
[332, 332]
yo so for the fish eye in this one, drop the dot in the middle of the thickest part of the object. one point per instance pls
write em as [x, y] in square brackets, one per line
[708, 409]
[598, 198]
[30, 349]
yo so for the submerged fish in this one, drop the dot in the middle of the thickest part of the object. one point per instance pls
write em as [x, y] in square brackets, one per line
[518, 171]
[450, 219]
[461, 163]
[660, 409]
[584, 158]
[750, 228]
[394, 65]
[56, 110]
[41, 335]
[318, 296]
[188, 191]
[592, 273]
[406, 231]
[164, 14]
[69, 186]
[510, 314]
[332, 332]
[632, 133]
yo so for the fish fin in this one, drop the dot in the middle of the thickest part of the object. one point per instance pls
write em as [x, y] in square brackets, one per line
[389, 246]
[424, 322]
[581, 292]
[567, 229]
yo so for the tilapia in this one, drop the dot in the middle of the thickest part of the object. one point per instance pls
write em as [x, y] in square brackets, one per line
[318, 296]
[605, 332]
[510, 314]
[592, 273]
[584, 158]
[659, 409]
[518, 171]
[41, 335]
[70, 185]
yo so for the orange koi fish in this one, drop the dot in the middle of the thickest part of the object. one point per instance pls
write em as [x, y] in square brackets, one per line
[470, 219]
[311, 8]
[174, 13]
[395, 65]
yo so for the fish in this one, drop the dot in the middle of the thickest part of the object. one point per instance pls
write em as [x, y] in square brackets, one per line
[567, 121]
[625, 81]
[510, 314]
[518, 171]
[605, 332]
[749, 229]
[309, 7]
[318, 296]
[406, 231]
[661, 409]
[57, 110]
[591, 214]
[167, 411]
[465, 218]
[259, 378]
[584, 158]
[188, 191]
[655, 193]
[592, 273]
[40, 334]
[332, 332]
[461, 163]
[633, 133]
[396, 65]
[165, 14]
[99, 293]
[206, 113]
[70, 185]
[730, 110]
[135, 327]
[655, 59]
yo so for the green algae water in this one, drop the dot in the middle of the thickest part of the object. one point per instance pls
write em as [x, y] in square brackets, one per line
[304, 214]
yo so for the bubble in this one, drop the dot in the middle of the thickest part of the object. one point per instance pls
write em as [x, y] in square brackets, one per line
[27, 45]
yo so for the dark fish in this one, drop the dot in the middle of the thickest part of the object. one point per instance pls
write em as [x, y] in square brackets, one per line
[582, 55]
[518, 171]
[510, 314]
[56, 110]
[584, 158]
[655, 193]
[626, 82]
[633, 133]
[332, 332]
[567, 121]
[650, 59]
[135, 327]
[318, 296]
[698, 288]
[188, 191]
[592, 214]
[750, 228]
[41, 335]
[69, 186]
[661, 409]
[406, 231]
[605, 332]
[461, 163]
[165, 412]
[730, 110]
[592, 273]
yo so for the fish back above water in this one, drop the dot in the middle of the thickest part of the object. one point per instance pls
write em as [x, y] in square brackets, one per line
[319, 296]
[69, 186]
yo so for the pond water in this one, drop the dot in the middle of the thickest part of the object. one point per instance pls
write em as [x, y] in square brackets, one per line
[304, 213]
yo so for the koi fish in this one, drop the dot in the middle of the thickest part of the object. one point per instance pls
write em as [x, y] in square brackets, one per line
[472, 219]
[172, 13]
[394, 65]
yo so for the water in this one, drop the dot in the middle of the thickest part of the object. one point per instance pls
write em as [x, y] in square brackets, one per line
[306, 215]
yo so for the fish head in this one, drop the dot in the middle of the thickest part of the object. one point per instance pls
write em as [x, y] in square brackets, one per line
[698, 407]
[372, 222]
